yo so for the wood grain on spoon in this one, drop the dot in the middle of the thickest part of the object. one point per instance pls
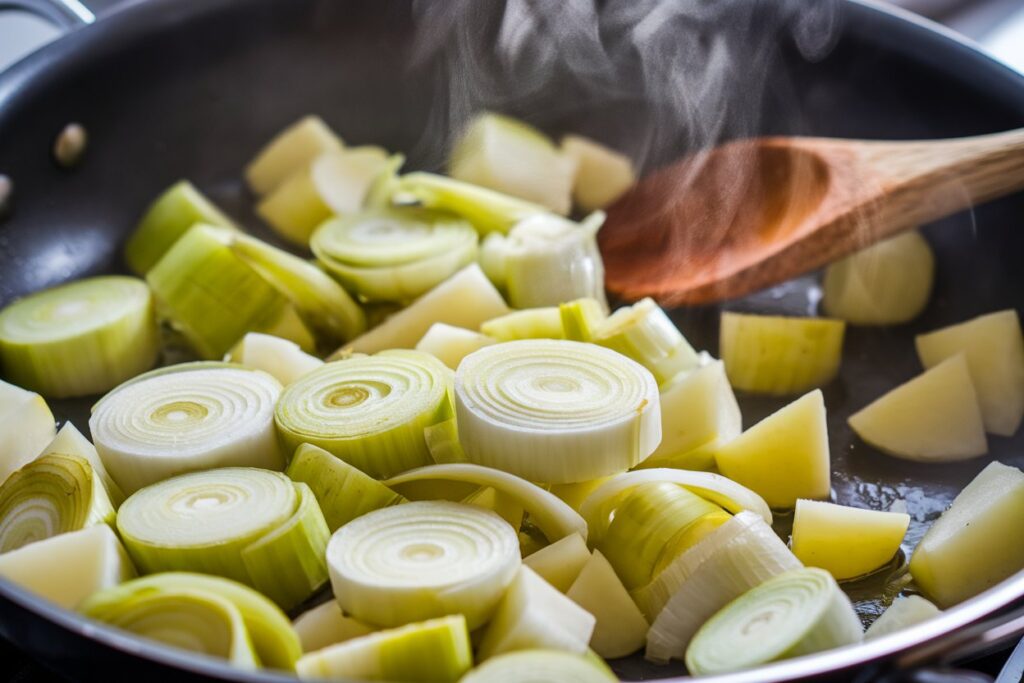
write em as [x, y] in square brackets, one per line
[752, 213]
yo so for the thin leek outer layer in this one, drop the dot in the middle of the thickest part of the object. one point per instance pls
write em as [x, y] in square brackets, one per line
[423, 560]
[646, 334]
[555, 411]
[547, 512]
[187, 418]
[80, 338]
[369, 411]
[796, 613]
[530, 323]
[530, 666]
[257, 621]
[739, 555]
[394, 254]
[51, 495]
[253, 526]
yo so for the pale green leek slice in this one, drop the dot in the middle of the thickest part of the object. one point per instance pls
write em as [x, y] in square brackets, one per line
[321, 301]
[602, 174]
[369, 411]
[549, 514]
[451, 344]
[647, 335]
[69, 567]
[902, 613]
[290, 150]
[210, 295]
[443, 443]
[533, 666]
[253, 526]
[51, 495]
[561, 562]
[620, 629]
[280, 358]
[27, 425]
[169, 217]
[80, 338]
[796, 613]
[69, 441]
[555, 411]
[435, 651]
[534, 615]
[423, 560]
[581, 318]
[343, 491]
[200, 417]
[531, 323]
[327, 625]
[394, 254]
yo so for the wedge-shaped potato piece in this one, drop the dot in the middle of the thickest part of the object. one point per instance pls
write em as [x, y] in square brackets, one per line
[26, 426]
[289, 151]
[994, 348]
[932, 418]
[280, 358]
[326, 625]
[902, 613]
[976, 543]
[602, 174]
[451, 344]
[847, 542]
[561, 562]
[785, 456]
[621, 628]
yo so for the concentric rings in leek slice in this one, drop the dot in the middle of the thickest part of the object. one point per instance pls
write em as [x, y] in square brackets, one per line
[187, 418]
[555, 411]
[531, 666]
[423, 560]
[79, 338]
[647, 335]
[369, 411]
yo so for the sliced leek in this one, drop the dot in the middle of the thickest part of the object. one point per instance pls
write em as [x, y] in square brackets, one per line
[451, 344]
[620, 629]
[561, 562]
[435, 651]
[250, 525]
[343, 492]
[168, 218]
[555, 411]
[902, 613]
[80, 338]
[327, 625]
[646, 334]
[531, 666]
[26, 426]
[369, 411]
[443, 443]
[281, 359]
[196, 418]
[69, 441]
[289, 151]
[581, 318]
[531, 323]
[51, 495]
[602, 175]
[423, 560]
[394, 254]
[554, 518]
[69, 567]
[796, 613]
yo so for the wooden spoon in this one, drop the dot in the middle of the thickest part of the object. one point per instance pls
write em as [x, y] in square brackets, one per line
[752, 213]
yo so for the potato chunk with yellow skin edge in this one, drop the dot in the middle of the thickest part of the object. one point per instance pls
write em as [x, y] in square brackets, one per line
[847, 542]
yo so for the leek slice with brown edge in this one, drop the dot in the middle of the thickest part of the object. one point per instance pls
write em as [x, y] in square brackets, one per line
[27, 426]
[530, 666]
[80, 338]
[327, 625]
[289, 151]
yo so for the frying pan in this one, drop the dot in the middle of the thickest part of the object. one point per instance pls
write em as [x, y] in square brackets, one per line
[170, 89]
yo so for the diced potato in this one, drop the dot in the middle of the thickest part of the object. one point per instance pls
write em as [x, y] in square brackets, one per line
[932, 418]
[561, 562]
[602, 174]
[776, 355]
[574, 494]
[621, 628]
[902, 613]
[281, 358]
[785, 456]
[451, 344]
[326, 625]
[847, 542]
[994, 348]
[26, 426]
[976, 543]
[292, 149]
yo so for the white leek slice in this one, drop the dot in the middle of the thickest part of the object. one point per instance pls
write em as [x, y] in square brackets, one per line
[80, 338]
[279, 358]
[902, 613]
[973, 545]
[169, 423]
[253, 526]
[532, 666]
[531, 323]
[846, 542]
[620, 629]
[800, 612]
[370, 411]
[69, 441]
[934, 417]
[561, 562]
[51, 495]
[321, 301]
[26, 426]
[581, 318]
[394, 254]
[435, 651]
[553, 517]
[510, 156]
[290, 150]
[423, 560]
[647, 335]
[534, 615]
[69, 567]
[451, 344]
[740, 554]
[602, 174]
[546, 260]
[555, 411]
[994, 348]
[342, 490]
[327, 625]
[466, 299]
[785, 456]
